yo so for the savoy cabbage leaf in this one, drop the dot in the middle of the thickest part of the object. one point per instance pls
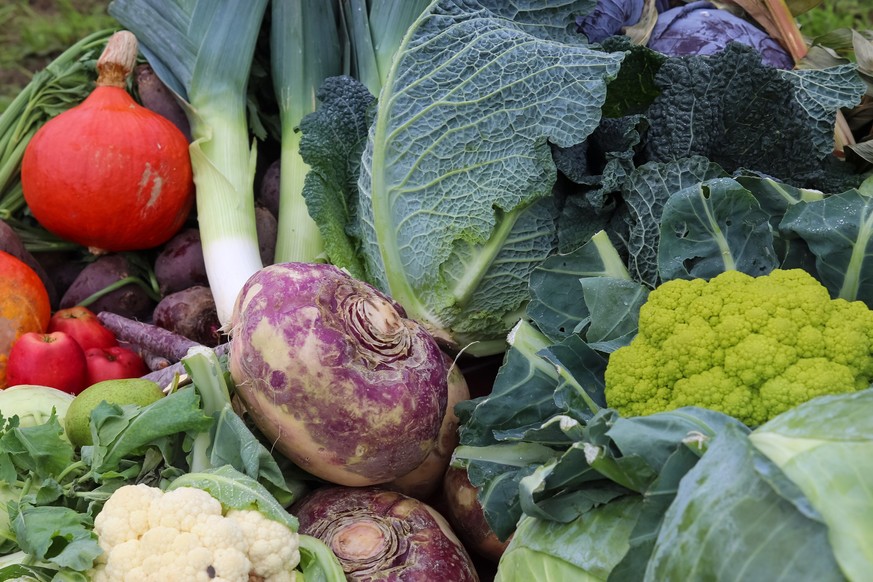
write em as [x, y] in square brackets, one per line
[458, 158]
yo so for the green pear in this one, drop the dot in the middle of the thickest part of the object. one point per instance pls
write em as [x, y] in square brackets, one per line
[77, 423]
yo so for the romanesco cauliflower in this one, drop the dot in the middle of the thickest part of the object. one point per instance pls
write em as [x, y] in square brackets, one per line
[751, 347]
[182, 535]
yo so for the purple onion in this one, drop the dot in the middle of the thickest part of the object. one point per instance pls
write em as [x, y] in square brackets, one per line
[335, 375]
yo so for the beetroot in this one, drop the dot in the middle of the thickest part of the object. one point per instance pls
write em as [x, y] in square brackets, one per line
[335, 375]
[268, 192]
[268, 230]
[121, 290]
[384, 535]
[191, 313]
[156, 96]
[180, 263]
[62, 268]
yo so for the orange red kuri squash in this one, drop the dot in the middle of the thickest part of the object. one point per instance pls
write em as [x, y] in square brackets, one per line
[24, 305]
[109, 174]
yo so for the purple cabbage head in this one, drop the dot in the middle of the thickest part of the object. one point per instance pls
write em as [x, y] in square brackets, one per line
[608, 18]
[699, 28]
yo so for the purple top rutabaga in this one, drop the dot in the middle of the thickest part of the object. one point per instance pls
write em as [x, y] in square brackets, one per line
[384, 536]
[335, 375]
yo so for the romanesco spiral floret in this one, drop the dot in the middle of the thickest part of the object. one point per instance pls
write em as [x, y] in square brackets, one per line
[751, 347]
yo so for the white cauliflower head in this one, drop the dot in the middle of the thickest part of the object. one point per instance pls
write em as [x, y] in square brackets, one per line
[182, 535]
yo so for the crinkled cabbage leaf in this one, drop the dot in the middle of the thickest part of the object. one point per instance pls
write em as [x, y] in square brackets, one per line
[454, 206]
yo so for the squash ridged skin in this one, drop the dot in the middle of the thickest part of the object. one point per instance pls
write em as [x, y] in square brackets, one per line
[109, 174]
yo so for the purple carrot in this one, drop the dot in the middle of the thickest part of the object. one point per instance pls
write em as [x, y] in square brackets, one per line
[151, 338]
[164, 376]
[153, 362]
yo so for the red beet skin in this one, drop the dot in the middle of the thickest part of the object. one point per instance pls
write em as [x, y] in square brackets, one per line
[334, 374]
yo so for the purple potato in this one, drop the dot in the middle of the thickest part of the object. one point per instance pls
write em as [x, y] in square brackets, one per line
[384, 535]
[191, 313]
[335, 375]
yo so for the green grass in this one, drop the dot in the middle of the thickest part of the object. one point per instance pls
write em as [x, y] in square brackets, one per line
[833, 14]
[32, 33]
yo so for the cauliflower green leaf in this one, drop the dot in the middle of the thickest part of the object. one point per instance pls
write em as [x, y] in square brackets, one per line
[236, 490]
[839, 232]
[712, 227]
[825, 447]
[729, 523]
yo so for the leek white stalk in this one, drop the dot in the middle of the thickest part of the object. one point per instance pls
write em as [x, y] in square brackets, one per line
[203, 50]
[305, 50]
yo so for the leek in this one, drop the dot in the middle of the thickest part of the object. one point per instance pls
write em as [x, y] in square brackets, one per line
[305, 50]
[188, 44]
[374, 30]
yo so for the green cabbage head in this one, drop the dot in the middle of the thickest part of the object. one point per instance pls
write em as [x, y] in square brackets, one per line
[583, 550]
[33, 404]
[826, 448]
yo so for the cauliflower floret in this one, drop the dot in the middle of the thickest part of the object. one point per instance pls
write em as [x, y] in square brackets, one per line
[119, 526]
[747, 346]
[756, 358]
[273, 548]
[716, 390]
[182, 508]
[182, 535]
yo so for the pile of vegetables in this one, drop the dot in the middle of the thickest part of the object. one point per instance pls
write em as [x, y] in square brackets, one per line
[460, 289]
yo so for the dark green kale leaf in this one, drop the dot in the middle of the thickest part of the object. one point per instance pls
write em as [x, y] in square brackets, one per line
[740, 113]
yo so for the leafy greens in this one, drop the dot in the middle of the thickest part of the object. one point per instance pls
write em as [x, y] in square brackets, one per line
[499, 137]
